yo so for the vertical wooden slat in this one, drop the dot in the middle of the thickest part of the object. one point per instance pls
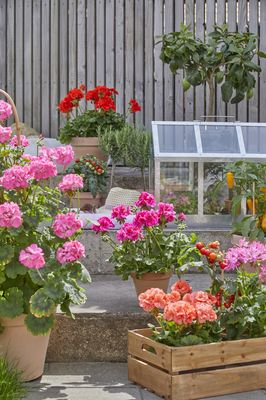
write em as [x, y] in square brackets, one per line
[45, 70]
[54, 14]
[109, 43]
[63, 52]
[19, 59]
[28, 62]
[3, 41]
[263, 61]
[36, 64]
[91, 43]
[220, 104]
[199, 33]
[168, 75]
[72, 43]
[232, 26]
[179, 94]
[158, 65]
[129, 54]
[210, 22]
[81, 61]
[119, 54]
[100, 36]
[189, 94]
[148, 60]
[139, 59]
[253, 106]
[242, 27]
[10, 47]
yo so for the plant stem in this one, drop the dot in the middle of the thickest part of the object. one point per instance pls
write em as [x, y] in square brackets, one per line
[210, 82]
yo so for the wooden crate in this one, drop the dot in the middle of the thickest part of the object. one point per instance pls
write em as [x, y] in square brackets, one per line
[196, 372]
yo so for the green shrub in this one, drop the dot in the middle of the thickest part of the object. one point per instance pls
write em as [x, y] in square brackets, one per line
[11, 387]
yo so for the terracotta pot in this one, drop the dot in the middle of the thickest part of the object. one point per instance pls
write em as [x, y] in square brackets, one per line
[22, 349]
[86, 200]
[87, 146]
[151, 280]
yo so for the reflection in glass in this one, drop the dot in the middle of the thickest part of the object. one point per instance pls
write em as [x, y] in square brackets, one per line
[215, 190]
[254, 139]
[177, 139]
[219, 139]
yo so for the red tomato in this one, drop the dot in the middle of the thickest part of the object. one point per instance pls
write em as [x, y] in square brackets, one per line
[212, 257]
[199, 245]
[214, 245]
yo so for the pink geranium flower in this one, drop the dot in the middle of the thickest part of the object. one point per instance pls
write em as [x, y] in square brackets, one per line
[146, 218]
[63, 155]
[146, 200]
[103, 224]
[32, 257]
[152, 298]
[129, 232]
[181, 312]
[23, 141]
[5, 134]
[65, 225]
[42, 169]
[70, 252]
[181, 217]
[245, 252]
[71, 183]
[166, 212]
[5, 110]
[173, 297]
[10, 215]
[121, 212]
[262, 275]
[182, 287]
[16, 177]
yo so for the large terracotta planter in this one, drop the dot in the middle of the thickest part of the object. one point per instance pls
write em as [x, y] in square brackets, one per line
[85, 200]
[151, 280]
[22, 349]
[87, 146]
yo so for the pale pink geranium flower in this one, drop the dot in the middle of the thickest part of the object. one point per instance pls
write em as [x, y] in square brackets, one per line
[166, 212]
[71, 183]
[70, 252]
[63, 155]
[103, 224]
[146, 218]
[42, 169]
[146, 200]
[182, 287]
[23, 141]
[152, 298]
[181, 312]
[65, 225]
[46, 153]
[5, 110]
[5, 134]
[120, 212]
[129, 232]
[32, 257]
[205, 313]
[16, 177]
[10, 215]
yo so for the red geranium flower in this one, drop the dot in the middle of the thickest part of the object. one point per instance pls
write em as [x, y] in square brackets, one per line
[134, 106]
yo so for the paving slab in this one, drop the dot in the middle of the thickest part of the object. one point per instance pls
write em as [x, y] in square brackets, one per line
[100, 381]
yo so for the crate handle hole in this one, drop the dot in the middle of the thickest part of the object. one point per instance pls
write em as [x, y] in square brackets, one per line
[149, 349]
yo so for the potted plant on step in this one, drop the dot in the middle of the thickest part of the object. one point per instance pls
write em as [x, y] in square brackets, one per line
[40, 266]
[83, 123]
[145, 250]
[94, 174]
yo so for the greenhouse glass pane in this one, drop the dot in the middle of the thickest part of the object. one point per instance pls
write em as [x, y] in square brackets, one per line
[177, 139]
[179, 185]
[254, 139]
[219, 139]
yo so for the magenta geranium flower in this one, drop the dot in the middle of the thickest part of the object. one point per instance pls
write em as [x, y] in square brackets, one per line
[146, 218]
[166, 212]
[121, 212]
[146, 200]
[71, 183]
[42, 169]
[103, 224]
[32, 257]
[16, 177]
[70, 252]
[181, 217]
[5, 134]
[65, 225]
[10, 215]
[129, 232]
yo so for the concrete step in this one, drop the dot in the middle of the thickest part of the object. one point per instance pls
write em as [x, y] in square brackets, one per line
[99, 332]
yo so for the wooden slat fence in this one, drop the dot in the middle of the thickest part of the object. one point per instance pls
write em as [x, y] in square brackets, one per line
[50, 46]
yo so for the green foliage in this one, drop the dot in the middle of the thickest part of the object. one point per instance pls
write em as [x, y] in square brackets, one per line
[185, 201]
[11, 304]
[90, 123]
[39, 326]
[11, 387]
[226, 58]
[93, 171]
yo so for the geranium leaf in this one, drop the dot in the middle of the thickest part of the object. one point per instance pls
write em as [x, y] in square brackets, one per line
[41, 305]
[11, 304]
[39, 326]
